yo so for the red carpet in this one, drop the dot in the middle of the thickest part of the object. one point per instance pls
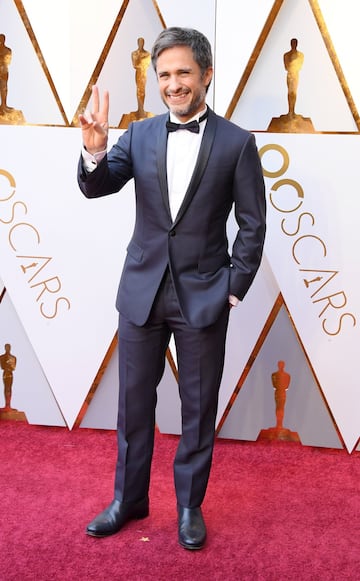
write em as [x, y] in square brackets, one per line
[274, 512]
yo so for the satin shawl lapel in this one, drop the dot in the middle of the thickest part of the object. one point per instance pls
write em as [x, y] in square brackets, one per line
[161, 164]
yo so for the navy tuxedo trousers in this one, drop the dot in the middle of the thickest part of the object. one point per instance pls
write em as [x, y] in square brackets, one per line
[142, 355]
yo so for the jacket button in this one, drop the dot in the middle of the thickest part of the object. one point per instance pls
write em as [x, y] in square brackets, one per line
[172, 233]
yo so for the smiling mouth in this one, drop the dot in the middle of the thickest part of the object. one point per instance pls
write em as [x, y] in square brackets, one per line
[177, 95]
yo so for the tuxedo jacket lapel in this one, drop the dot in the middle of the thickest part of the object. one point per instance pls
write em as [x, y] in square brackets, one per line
[200, 166]
[161, 164]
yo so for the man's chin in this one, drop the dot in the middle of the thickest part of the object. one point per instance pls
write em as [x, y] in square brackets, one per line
[179, 112]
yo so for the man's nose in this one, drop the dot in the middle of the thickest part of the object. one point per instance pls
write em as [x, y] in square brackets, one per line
[174, 83]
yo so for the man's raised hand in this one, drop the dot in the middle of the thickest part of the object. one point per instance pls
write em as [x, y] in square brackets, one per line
[94, 124]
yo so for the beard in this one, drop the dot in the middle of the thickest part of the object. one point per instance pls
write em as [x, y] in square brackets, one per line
[190, 109]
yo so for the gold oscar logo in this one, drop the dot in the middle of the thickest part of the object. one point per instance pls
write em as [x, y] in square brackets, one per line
[317, 279]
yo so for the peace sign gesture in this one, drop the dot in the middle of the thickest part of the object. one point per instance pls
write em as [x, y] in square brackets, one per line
[94, 125]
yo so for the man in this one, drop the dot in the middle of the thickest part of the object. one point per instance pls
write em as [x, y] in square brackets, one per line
[178, 276]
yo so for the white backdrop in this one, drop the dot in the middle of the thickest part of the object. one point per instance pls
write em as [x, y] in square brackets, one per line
[61, 255]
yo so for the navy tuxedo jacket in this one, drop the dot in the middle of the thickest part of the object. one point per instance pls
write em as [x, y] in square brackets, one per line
[194, 246]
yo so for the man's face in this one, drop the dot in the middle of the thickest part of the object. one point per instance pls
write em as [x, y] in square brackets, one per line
[182, 86]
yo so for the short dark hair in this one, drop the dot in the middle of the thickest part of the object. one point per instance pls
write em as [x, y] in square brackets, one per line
[176, 36]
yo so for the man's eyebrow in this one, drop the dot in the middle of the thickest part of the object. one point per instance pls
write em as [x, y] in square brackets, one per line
[183, 70]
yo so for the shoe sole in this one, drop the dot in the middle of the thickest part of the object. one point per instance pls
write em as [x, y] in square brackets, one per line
[191, 547]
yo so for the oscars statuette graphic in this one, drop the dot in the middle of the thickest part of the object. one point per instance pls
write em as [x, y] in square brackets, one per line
[281, 381]
[8, 115]
[292, 122]
[140, 59]
[8, 365]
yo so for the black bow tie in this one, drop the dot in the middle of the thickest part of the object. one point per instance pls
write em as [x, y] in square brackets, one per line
[192, 126]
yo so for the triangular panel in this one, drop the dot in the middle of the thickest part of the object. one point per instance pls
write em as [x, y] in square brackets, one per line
[263, 96]
[305, 410]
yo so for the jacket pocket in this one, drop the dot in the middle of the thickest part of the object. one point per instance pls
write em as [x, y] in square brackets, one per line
[135, 251]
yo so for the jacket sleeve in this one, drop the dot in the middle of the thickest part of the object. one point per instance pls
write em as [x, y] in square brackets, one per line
[250, 214]
[113, 171]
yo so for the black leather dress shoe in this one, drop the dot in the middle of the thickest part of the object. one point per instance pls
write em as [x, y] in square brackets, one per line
[192, 530]
[113, 518]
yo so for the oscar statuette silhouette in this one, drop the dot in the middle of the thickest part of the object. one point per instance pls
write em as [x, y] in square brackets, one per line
[280, 381]
[8, 115]
[292, 122]
[140, 59]
[8, 365]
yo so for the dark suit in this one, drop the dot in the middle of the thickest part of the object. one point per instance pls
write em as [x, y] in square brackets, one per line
[177, 278]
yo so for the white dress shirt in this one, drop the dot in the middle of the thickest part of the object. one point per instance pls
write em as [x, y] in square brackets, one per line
[182, 152]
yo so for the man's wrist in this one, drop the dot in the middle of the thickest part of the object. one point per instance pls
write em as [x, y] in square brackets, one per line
[91, 161]
[96, 152]
[233, 300]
